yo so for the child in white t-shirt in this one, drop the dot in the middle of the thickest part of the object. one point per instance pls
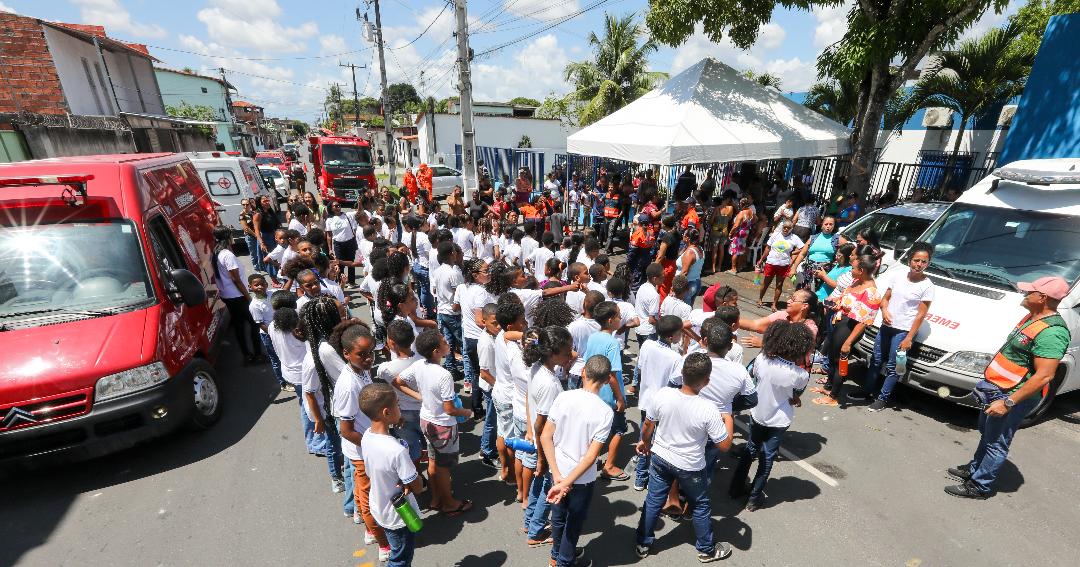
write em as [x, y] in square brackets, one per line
[399, 339]
[263, 315]
[485, 354]
[678, 425]
[659, 362]
[390, 473]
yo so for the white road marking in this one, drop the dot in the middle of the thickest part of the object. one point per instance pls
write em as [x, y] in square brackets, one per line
[789, 456]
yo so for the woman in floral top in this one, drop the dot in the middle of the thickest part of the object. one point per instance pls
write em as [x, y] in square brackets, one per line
[856, 307]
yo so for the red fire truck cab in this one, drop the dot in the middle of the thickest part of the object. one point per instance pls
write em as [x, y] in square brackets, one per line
[274, 158]
[342, 167]
[109, 316]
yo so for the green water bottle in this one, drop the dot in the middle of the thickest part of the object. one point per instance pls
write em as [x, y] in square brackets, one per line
[408, 514]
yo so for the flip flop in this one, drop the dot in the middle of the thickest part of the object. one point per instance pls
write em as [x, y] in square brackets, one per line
[465, 506]
[821, 381]
[621, 477]
[826, 401]
[821, 391]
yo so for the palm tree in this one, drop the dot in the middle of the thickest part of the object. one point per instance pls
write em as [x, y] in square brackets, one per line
[618, 75]
[835, 99]
[763, 79]
[979, 75]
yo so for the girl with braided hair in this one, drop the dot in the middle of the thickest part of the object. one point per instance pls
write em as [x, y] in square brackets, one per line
[397, 301]
[471, 297]
[512, 278]
[320, 369]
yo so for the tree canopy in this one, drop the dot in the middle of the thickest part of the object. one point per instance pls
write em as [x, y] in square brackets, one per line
[402, 94]
[1031, 20]
[195, 112]
[524, 101]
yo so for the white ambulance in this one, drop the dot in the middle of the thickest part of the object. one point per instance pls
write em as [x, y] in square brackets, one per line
[1018, 224]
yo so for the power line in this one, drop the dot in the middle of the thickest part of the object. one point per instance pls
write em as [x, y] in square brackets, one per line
[500, 26]
[443, 11]
[298, 58]
[277, 80]
[542, 29]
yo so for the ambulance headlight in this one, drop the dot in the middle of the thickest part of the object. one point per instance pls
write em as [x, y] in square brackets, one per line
[968, 362]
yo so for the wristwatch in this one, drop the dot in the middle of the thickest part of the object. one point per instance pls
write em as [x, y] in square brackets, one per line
[1009, 403]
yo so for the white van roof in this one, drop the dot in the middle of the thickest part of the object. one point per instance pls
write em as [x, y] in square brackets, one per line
[1049, 185]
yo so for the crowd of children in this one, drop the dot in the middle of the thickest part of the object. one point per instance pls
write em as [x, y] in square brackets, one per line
[526, 330]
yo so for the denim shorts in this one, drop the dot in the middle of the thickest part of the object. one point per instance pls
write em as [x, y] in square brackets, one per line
[618, 424]
[411, 432]
[528, 460]
[519, 431]
[504, 424]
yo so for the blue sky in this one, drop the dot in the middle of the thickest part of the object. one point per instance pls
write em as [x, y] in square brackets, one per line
[283, 54]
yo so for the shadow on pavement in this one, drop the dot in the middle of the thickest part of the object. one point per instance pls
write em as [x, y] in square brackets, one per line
[35, 502]
[491, 559]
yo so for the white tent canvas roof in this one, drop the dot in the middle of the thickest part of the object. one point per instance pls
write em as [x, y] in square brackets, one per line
[711, 113]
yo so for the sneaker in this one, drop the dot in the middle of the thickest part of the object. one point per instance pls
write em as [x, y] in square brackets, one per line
[466, 390]
[288, 388]
[960, 473]
[640, 487]
[579, 552]
[878, 405]
[490, 463]
[384, 554]
[337, 485]
[356, 519]
[967, 490]
[720, 551]
[752, 506]
[368, 538]
[642, 551]
[858, 396]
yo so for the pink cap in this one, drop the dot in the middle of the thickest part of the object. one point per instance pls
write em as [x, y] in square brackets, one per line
[1050, 286]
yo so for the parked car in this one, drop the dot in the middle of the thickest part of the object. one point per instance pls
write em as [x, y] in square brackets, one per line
[443, 180]
[230, 180]
[274, 177]
[906, 220]
[1016, 225]
[109, 340]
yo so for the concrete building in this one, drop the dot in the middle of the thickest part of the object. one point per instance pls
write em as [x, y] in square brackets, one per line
[69, 89]
[185, 86]
[249, 117]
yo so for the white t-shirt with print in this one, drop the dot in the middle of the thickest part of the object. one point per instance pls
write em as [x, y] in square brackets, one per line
[423, 246]
[346, 406]
[781, 248]
[261, 311]
[580, 331]
[463, 237]
[309, 376]
[544, 387]
[290, 352]
[580, 418]
[777, 381]
[727, 380]
[436, 386]
[445, 280]
[387, 464]
[674, 306]
[684, 424]
[472, 298]
[226, 261]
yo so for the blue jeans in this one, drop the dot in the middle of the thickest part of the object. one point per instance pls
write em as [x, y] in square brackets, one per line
[333, 454]
[402, 545]
[471, 361]
[567, 519]
[423, 282]
[411, 432]
[694, 485]
[487, 438]
[885, 344]
[268, 240]
[275, 363]
[692, 291]
[450, 327]
[638, 260]
[641, 468]
[538, 509]
[997, 434]
[764, 444]
[255, 253]
[315, 442]
[348, 503]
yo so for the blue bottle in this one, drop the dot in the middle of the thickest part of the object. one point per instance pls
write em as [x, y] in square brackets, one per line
[519, 444]
[901, 362]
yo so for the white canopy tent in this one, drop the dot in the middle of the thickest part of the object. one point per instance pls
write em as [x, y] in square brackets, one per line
[711, 113]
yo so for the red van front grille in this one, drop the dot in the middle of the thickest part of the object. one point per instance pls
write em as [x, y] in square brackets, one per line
[44, 410]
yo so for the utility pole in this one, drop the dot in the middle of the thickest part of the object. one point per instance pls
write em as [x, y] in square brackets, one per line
[468, 135]
[386, 111]
[355, 96]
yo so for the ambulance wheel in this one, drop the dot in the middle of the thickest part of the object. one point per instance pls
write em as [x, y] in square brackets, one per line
[1040, 410]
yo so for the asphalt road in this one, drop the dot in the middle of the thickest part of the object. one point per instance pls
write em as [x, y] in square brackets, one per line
[855, 488]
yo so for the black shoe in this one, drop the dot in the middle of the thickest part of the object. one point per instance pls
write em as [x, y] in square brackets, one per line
[490, 463]
[752, 506]
[720, 551]
[858, 396]
[878, 405]
[966, 490]
[642, 551]
[959, 473]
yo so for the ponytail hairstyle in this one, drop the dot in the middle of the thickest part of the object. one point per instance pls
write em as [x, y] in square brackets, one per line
[591, 245]
[553, 267]
[540, 343]
[222, 242]
[412, 222]
[502, 277]
[692, 235]
[576, 240]
[318, 318]
[622, 271]
[391, 293]
[548, 241]
[485, 229]
[472, 266]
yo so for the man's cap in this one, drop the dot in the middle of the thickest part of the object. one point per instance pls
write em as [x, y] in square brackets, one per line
[1050, 286]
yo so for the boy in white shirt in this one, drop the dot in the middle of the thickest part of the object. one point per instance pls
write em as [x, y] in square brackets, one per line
[485, 354]
[577, 273]
[388, 467]
[598, 275]
[730, 388]
[659, 362]
[358, 347]
[445, 281]
[438, 419]
[647, 305]
[678, 426]
[581, 329]
[263, 315]
[674, 305]
[618, 290]
[577, 428]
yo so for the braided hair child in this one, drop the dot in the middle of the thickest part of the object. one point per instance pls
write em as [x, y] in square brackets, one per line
[321, 367]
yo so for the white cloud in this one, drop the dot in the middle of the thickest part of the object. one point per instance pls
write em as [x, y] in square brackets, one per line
[251, 24]
[115, 18]
[330, 44]
[795, 74]
[544, 9]
[534, 71]
[771, 36]
[698, 47]
[831, 24]
[5, 8]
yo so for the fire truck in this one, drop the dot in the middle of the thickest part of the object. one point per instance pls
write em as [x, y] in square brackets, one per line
[342, 166]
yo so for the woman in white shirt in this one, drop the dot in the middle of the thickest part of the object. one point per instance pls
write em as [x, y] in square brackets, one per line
[232, 288]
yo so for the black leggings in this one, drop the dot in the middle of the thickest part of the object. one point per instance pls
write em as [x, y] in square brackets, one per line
[241, 318]
[840, 333]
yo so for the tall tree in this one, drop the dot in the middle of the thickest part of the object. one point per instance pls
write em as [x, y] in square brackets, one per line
[884, 42]
[402, 94]
[333, 103]
[1033, 17]
[979, 75]
[838, 100]
[619, 72]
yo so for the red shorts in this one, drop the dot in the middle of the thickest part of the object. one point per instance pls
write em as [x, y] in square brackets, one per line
[774, 270]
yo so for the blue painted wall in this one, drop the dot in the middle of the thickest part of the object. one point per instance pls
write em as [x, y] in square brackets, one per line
[1047, 121]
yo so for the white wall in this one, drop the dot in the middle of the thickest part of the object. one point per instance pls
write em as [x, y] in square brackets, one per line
[904, 147]
[493, 131]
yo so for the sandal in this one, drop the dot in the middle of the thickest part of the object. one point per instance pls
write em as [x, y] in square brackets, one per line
[465, 506]
[826, 401]
[823, 380]
[623, 476]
